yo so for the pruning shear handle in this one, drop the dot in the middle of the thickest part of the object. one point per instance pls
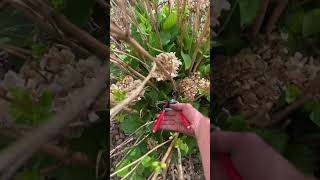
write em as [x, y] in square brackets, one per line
[228, 166]
[184, 119]
[158, 121]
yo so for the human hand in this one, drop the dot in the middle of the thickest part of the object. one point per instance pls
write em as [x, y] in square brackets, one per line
[172, 120]
[251, 157]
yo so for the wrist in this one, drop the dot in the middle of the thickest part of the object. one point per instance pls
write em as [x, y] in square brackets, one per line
[204, 124]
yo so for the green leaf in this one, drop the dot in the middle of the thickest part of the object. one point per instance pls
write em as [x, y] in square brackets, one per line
[120, 117]
[205, 69]
[158, 169]
[58, 4]
[236, 123]
[248, 11]
[38, 50]
[153, 40]
[45, 100]
[135, 153]
[4, 40]
[187, 60]
[315, 115]
[137, 177]
[309, 106]
[293, 18]
[131, 123]
[119, 95]
[170, 21]
[28, 175]
[278, 140]
[123, 56]
[292, 93]
[311, 24]
[155, 163]
[182, 146]
[302, 157]
[165, 37]
[146, 161]
[17, 27]
[121, 165]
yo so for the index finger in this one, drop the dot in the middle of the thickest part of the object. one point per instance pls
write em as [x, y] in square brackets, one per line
[179, 106]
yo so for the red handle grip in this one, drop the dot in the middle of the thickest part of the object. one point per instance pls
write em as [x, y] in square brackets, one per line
[158, 121]
[184, 119]
[229, 169]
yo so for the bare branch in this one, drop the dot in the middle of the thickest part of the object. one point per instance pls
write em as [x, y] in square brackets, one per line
[166, 155]
[127, 37]
[138, 160]
[179, 165]
[200, 40]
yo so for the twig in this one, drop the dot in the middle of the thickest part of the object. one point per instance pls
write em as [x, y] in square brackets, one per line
[115, 110]
[121, 145]
[182, 22]
[153, 22]
[281, 5]
[126, 66]
[201, 57]
[227, 21]
[62, 23]
[126, 37]
[165, 171]
[199, 41]
[130, 172]
[98, 162]
[308, 92]
[138, 141]
[179, 165]
[141, 128]
[277, 117]
[143, 63]
[196, 20]
[16, 51]
[166, 155]
[14, 156]
[260, 17]
[138, 160]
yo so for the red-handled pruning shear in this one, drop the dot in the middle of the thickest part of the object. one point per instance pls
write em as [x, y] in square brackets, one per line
[167, 108]
[226, 163]
[228, 167]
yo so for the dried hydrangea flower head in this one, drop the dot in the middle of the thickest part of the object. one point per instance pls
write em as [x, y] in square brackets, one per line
[189, 86]
[170, 63]
[128, 85]
[204, 4]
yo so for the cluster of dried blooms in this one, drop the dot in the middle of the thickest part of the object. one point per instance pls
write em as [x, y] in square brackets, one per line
[170, 63]
[204, 9]
[118, 17]
[127, 86]
[192, 4]
[190, 86]
[61, 74]
[256, 78]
